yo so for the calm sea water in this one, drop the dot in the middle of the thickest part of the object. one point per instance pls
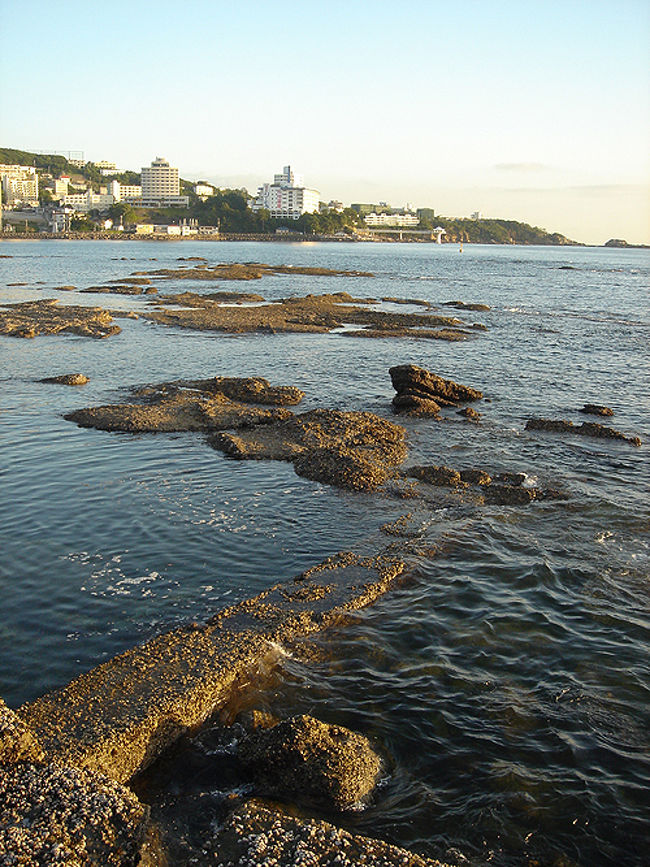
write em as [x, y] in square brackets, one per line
[507, 680]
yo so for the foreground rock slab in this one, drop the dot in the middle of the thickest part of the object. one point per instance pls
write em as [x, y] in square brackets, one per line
[254, 836]
[420, 392]
[118, 717]
[32, 318]
[587, 429]
[53, 814]
[17, 741]
[353, 450]
[327, 763]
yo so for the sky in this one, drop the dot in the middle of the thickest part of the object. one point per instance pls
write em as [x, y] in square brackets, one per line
[519, 109]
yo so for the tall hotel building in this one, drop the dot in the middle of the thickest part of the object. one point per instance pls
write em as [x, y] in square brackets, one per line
[160, 185]
[286, 197]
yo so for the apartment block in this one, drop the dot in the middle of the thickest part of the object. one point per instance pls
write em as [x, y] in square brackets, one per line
[19, 185]
[286, 197]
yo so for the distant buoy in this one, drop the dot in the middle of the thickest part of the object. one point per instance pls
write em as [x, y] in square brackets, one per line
[460, 249]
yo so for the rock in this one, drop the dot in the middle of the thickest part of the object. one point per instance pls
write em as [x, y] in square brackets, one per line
[18, 742]
[476, 477]
[462, 305]
[597, 409]
[192, 405]
[470, 413]
[436, 475]
[255, 836]
[420, 392]
[67, 379]
[587, 428]
[510, 478]
[30, 318]
[61, 815]
[302, 756]
[509, 495]
[354, 450]
[120, 716]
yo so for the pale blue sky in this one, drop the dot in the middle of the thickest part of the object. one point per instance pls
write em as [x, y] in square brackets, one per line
[530, 110]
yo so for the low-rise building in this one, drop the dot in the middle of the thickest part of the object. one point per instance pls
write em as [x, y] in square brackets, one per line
[122, 192]
[89, 201]
[390, 220]
[203, 190]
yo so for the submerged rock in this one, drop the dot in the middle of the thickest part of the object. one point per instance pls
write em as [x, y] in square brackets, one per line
[420, 392]
[255, 836]
[302, 756]
[32, 318]
[63, 815]
[437, 475]
[66, 379]
[470, 413]
[597, 409]
[354, 450]
[587, 428]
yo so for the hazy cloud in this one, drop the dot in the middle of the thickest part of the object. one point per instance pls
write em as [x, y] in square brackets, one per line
[521, 167]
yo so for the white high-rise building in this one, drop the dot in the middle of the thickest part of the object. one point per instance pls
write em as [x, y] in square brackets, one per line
[286, 197]
[161, 186]
[19, 185]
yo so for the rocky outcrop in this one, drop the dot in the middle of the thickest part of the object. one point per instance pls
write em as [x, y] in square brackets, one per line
[247, 271]
[255, 836]
[503, 489]
[119, 717]
[436, 475]
[67, 379]
[354, 450]
[597, 409]
[53, 814]
[121, 290]
[420, 392]
[32, 318]
[193, 405]
[304, 757]
[587, 429]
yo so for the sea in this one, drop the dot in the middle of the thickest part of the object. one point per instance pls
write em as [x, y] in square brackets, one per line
[505, 680]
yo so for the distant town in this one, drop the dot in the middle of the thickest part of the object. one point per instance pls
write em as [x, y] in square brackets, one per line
[62, 194]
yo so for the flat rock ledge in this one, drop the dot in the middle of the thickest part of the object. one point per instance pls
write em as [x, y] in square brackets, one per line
[117, 718]
[33, 318]
[422, 393]
[193, 405]
[303, 314]
[353, 450]
[66, 379]
[501, 489]
[586, 429]
[255, 836]
[329, 764]
[55, 814]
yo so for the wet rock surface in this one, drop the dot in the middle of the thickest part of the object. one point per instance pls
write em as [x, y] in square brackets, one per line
[420, 392]
[244, 271]
[119, 717]
[597, 409]
[311, 313]
[17, 741]
[193, 405]
[504, 489]
[587, 428]
[121, 290]
[255, 836]
[302, 756]
[33, 318]
[354, 450]
[55, 814]
[66, 379]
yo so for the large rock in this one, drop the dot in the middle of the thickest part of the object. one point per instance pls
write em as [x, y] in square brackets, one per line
[420, 392]
[254, 836]
[61, 815]
[304, 756]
